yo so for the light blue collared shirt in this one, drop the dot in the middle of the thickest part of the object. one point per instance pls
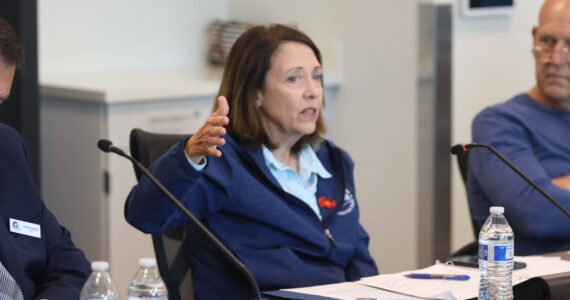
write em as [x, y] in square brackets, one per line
[198, 167]
[302, 185]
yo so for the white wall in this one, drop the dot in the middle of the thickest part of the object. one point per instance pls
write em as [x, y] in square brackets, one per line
[105, 35]
[492, 62]
[375, 111]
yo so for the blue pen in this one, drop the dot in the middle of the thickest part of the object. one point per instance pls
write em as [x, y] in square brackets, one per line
[437, 276]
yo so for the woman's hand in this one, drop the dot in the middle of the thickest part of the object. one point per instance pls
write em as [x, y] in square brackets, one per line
[562, 182]
[206, 140]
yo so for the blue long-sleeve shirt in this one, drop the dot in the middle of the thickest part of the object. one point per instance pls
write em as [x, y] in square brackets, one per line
[536, 138]
[276, 235]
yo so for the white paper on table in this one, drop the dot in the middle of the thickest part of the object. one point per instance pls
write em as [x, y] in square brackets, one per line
[427, 288]
[349, 291]
[539, 266]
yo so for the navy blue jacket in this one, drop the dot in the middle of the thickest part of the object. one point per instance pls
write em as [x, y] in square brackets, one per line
[278, 237]
[49, 267]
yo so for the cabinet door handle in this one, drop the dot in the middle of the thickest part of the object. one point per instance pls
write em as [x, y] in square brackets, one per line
[106, 182]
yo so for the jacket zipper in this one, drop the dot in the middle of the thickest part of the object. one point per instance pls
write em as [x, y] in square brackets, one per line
[330, 237]
[325, 222]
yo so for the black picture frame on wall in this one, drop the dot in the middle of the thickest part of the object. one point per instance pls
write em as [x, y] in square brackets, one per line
[482, 8]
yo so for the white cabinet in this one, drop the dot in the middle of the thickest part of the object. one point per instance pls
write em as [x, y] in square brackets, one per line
[86, 188]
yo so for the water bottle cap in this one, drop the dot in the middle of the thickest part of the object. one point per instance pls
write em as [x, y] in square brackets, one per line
[100, 266]
[147, 262]
[497, 210]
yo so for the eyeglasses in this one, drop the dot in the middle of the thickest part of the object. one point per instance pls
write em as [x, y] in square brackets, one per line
[544, 53]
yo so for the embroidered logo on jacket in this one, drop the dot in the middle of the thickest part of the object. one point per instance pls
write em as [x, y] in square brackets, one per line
[349, 203]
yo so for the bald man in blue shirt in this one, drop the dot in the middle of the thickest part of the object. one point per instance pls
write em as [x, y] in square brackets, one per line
[532, 130]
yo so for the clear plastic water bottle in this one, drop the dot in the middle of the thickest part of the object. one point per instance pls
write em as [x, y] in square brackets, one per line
[496, 253]
[99, 285]
[147, 283]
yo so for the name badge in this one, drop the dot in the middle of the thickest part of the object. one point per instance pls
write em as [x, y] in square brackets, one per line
[25, 228]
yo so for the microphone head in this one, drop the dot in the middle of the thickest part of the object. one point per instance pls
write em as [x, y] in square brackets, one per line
[104, 145]
[455, 150]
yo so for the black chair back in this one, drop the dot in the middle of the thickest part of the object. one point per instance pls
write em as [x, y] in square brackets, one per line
[169, 246]
[463, 162]
[473, 247]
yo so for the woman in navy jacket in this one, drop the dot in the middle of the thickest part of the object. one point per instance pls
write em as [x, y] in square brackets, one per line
[259, 175]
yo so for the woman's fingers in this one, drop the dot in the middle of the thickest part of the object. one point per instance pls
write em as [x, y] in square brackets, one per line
[206, 140]
[214, 131]
[213, 151]
[223, 108]
[214, 120]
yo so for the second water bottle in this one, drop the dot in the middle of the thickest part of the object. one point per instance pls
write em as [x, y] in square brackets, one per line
[99, 285]
[147, 283]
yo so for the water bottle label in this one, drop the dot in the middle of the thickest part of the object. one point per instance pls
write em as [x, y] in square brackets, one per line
[496, 252]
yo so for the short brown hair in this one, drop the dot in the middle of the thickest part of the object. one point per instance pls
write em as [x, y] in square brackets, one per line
[244, 75]
[11, 49]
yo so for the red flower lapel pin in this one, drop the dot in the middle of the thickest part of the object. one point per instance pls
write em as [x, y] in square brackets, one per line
[326, 202]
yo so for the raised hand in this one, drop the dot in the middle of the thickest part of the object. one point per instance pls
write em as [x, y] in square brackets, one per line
[206, 140]
[562, 182]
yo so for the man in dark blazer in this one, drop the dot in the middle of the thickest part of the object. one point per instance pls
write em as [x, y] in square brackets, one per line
[38, 260]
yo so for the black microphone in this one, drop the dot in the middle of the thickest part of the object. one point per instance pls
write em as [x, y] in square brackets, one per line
[457, 149]
[107, 146]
